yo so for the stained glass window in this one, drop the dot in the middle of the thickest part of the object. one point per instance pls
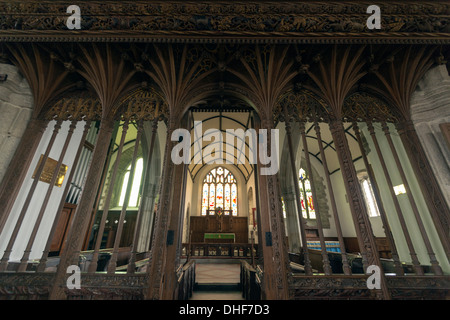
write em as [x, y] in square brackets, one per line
[219, 193]
[306, 198]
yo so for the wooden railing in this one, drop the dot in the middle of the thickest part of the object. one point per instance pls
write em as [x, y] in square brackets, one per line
[220, 250]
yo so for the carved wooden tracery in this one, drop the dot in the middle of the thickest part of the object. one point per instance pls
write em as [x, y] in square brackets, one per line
[145, 80]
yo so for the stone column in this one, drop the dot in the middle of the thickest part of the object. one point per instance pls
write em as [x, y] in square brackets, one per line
[439, 211]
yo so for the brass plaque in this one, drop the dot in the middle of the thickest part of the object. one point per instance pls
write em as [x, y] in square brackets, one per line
[49, 169]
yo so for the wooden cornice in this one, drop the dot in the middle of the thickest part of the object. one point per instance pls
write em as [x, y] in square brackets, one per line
[405, 22]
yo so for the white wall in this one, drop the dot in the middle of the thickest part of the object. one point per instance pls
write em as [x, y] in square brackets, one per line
[39, 195]
[403, 200]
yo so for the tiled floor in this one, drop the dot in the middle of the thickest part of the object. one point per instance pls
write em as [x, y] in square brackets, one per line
[217, 273]
[211, 273]
[216, 295]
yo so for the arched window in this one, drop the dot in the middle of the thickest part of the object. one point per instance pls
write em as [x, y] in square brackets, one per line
[219, 193]
[134, 195]
[369, 196]
[306, 198]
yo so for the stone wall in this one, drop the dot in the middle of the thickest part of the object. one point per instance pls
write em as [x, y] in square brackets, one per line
[430, 107]
[16, 103]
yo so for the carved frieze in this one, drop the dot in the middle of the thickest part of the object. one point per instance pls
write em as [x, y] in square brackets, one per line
[143, 105]
[108, 20]
[361, 106]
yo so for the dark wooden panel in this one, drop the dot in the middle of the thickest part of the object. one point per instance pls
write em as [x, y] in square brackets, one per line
[215, 224]
[62, 228]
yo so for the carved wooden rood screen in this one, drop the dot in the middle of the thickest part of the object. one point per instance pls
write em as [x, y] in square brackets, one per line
[107, 98]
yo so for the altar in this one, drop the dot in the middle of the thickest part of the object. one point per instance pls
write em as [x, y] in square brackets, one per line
[218, 237]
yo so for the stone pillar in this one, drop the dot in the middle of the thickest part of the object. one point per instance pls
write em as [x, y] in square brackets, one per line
[429, 186]
[16, 108]
[430, 108]
[427, 149]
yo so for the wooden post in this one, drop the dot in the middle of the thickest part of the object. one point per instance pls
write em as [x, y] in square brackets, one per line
[132, 262]
[274, 247]
[325, 259]
[24, 261]
[307, 261]
[102, 186]
[94, 262]
[161, 223]
[257, 202]
[387, 228]
[40, 169]
[416, 264]
[172, 236]
[43, 260]
[345, 265]
[113, 261]
[363, 228]
[80, 222]
[434, 263]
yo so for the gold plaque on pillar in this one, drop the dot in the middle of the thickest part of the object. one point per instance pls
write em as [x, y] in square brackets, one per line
[49, 169]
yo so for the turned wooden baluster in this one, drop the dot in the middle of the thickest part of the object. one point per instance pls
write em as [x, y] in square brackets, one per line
[345, 265]
[416, 264]
[323, 249]
[132, 262]
[387, 228]
[44, 258]
[113, 261]
[12, 239]
[434, 263]
[93, 264]
[307, 261]
[26, 255]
